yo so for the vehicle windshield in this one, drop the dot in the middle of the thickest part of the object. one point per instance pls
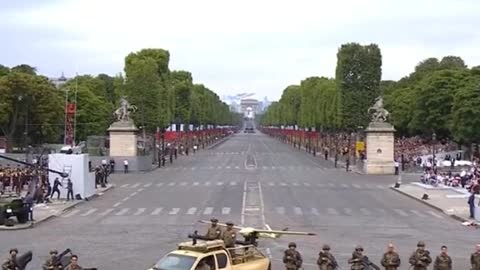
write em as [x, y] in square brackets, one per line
[175, 262]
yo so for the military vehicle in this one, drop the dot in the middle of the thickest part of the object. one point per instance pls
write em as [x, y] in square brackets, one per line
[12, 205]
[244, 256]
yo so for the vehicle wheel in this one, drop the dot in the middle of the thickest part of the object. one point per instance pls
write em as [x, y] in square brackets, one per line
[269, 266]
[22, 218]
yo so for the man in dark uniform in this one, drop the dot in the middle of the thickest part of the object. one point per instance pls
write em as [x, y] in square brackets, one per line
[11, 263]
[292, 258]
[214, 232]
[443, 261]
[48, 265]
[70, 190]
[326, 261]
[420, 259]
[229, 236]
[55, 189]
[391, 259]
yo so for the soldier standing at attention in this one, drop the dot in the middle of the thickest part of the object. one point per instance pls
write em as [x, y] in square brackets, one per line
[229, 236]
[475, 259]
[443, 261]
[214, 232]
[11, 263]
[420, 259]
[326, 261]
[74, 264]
[357, 259]
[49, 262]
[390, 260]
[292, 258]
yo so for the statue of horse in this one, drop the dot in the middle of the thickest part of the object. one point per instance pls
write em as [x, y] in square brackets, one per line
[123, 112]
[379, 114]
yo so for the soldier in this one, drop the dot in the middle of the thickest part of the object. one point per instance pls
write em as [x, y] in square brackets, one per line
[11, 263]
[443, 261]
[229, 236]
[420, 259]
[326, 261]
[214, 232]
[357, 259]
[74, 264]
[292, 258]
[475, 259]
[49, 262]
[390, 260]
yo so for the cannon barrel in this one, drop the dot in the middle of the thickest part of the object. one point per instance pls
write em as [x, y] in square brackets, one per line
[62, 174]
[24, 259]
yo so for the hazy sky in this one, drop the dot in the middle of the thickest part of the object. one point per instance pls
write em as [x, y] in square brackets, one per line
[257, 46]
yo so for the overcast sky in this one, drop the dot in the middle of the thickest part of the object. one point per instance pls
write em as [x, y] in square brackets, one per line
[258, 46]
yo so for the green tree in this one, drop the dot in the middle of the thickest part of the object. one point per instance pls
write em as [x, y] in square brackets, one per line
[25, 69]
[465, 119]
[4, 70]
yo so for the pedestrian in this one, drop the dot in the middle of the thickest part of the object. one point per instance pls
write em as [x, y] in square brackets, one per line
[443, 261]
[326, 261]
[29, 202]
[112, 165]
[397, 165]
[471, 204]
[391, 259]
[475, 258]
[70, 190]
[55, 189]
[292, 258]
[420, 259]
[125, 166]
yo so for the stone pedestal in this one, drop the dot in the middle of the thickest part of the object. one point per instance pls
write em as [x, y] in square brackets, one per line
[380, 146]
[123, 139]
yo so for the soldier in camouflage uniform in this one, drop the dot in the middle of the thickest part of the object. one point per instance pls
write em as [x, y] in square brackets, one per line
[475, 259]
[420, 259]
[48, 265]
[214, 232]
[11, 263]
[326, 261]
[229, 236]
[357, 259]
[390, 260]
[443, 261]
[292, 258]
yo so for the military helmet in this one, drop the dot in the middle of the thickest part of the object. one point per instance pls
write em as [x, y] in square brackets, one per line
[359, 248]
[229, 223]
[214, 220]
[292, 244]
[421, 244]
[326, 247]
[12, 250]
[53, 251]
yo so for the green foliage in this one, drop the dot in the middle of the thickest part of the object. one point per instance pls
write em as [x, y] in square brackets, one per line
[4, 70]
[25, 69]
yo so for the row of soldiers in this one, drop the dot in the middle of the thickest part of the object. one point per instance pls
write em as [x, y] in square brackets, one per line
[15, 178]
[52, 262]
[419, 260]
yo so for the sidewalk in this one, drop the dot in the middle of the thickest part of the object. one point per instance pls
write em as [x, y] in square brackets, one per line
[451, 201]
[43, 212]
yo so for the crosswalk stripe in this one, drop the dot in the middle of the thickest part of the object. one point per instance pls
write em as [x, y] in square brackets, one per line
[306, 184]
[315, 211]
[298, 211]
[183, 184]
[91, 211]
[233, 183]
[264, 167]
[124, 185]
[332, 211]
[207, 183]
[320, 185]
[219, 167]
[381, 210]
[295, 184]
[106, 212]
[147, 185]
[435, 214]
[195, 183]
[271, 184]
[356, 186]
[401, 212]
[219, 183]
[283, 184]
[139, 211]
[71, 213]
[159, 184]
[122, 212]
[208, 211]
[417, 213]
[136, 185]
[228, 167]
[345, 185]
[174, 211]
[157, 211]
[280, 210]
[225, 210]
[365, 211]
[331, 185]
[236, 167]
[347, 211]
[191, 211]
[171, 184]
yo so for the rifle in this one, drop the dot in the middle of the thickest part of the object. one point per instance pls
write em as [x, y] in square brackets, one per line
[368, 264]
[58, 259]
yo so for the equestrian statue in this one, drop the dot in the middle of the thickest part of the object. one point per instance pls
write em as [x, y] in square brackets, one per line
[123, 113]
[379, 113]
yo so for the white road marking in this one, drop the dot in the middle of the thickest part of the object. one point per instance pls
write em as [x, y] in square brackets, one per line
[315, 211]
[191, 211]
[122, 212]
[365, 211]
[219, 183]
[347, 211]
[174, 211]
[380, 187]
[133, 194]
[159, 184]
[417, 213]
[236, 167]
[401, 212]
[228, 167]
[157, 211]
[124, 185]
[233, 183]
[225, 210]
[136, 185]
[356, 186]
[207, 183]
[140, 189]
[331, 185]
[283, 184]
[306, 184]
[147, 185]
[332, 211]
[295, 184]
[298, 211]
[208, 211]
[435, 214]
[117, 204]
[71, 213]
[280, 210]
[345, 185]
[125, 199]
[195, 183]
[183, 184]
[244, 201]
[106, 212]
[271, 184]
[264, 167]
[320, 185]
[219, 167]
[139, 211]
[171, 184]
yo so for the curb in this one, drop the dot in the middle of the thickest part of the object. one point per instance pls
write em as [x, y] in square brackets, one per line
[52, 216]
[218, 143]
[461, 219]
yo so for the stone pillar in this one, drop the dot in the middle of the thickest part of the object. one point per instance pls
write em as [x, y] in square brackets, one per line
[379, 148]
[123, 139]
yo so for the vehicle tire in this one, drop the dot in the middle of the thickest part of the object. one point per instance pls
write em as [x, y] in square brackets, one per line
[22, 218]
[269, 266]
[2, 217]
